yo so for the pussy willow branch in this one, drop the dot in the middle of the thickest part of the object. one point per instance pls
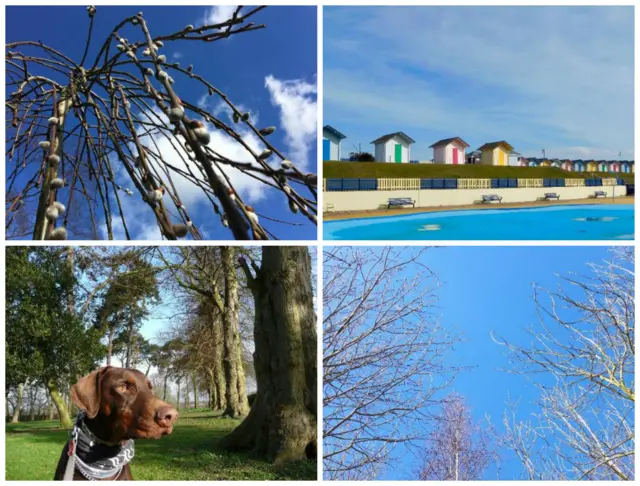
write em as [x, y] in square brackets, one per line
[118, 111]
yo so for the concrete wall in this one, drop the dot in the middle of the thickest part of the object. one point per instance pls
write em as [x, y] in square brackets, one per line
[364, 200]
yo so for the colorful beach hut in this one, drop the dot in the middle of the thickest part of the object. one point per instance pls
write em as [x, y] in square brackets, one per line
[533, 162]
[449, 151]
[495, 153]
[614, 166]
[567, 165]
[578, 165]
[625, 166]
[603, 166]
[331, 139]
[556, 163]
[394, 147]
[592, 166]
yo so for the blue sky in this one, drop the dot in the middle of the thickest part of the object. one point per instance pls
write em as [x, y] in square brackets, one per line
[272, 73]
[558, 78]
[484, 290]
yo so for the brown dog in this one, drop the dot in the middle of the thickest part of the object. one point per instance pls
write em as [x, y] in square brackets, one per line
[117, 406]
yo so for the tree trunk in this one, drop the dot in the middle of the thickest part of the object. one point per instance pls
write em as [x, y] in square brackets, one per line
[65, 421]
[110, 345]
[218, 364]
[178, 400]
[164, 388]
[194, 381]
[130, 344]
[282, 422]
[33, 397]
[237, 404]
[16, 411]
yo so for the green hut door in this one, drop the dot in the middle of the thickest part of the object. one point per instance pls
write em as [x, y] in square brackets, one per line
[398, 153]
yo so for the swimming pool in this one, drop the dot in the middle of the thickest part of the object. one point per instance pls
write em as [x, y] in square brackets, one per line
[570, 222]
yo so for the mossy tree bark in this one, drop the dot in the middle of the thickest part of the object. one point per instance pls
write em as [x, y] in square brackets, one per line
[16, 411]
[282, 422]
[237, 404]
[65, 421]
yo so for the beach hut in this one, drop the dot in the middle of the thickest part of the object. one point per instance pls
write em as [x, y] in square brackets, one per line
[533, 162]
[567, 165]
[474, 157]
[578, 165]
[556, 163]
[625, 166]
[449, 151]
[514, 158]
[331, 139]
[614, 166]
[592, 166]
[495, 153]
[603, 166]
[394, 147]
[523, 162]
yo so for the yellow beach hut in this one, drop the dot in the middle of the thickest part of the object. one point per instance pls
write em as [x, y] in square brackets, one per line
[592, 166]
[545, 163]
[495, 153]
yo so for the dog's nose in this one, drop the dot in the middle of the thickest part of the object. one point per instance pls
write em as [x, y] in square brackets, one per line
[166, 416]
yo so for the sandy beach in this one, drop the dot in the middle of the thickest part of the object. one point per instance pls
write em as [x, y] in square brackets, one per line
[336, 215]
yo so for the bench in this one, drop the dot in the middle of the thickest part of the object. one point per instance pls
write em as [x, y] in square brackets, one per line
[491, 198]
[400, 201]
[597, 194]
[551, 195]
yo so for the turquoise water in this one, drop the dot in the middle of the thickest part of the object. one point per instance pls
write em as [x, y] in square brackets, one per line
[575, 222]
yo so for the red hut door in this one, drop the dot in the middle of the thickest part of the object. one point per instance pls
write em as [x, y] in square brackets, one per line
[455, 156]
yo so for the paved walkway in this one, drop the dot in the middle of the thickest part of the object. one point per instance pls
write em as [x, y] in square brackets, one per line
[335, 215]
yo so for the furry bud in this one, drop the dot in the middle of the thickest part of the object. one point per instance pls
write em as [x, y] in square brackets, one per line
[225, 221]
[190, 68]
[267, 131]
[148, 72]
[91, 10]
[176, 114]
[52, 121]
[159, 43]
[146, 52]
[54, 159]
[51, 213]
[189, 27]
[287, 190]
[45, 144]
[286, 164]
[292, 206]
[161, 59]
[57, 183]
[131, 54]
[180, 230]
[170, 80]
[203, 135]
[232, 194]
[251, 214]
[59, 206]
[162, 76]
[189, 224]
[266, 153]
[134, 21]
[155, 195]
[182, 207]
[58, 234]
[245, 116]
[236, 117]
[120, 47]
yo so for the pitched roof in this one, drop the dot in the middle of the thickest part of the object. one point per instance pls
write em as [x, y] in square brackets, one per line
[447, 141]
[492, 145]
[334, 132]
[386, 138]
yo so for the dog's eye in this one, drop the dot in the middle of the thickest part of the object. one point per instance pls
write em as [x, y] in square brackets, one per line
[122, 388]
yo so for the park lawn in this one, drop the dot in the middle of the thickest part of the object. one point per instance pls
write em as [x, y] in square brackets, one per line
[382, 170]
[189, 453]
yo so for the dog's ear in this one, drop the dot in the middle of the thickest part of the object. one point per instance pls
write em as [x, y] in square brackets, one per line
[86, 393]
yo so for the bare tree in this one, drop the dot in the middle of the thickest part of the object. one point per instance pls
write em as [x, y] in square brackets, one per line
[582, 357]
[383, 359]
[83, 134]
[457, 448]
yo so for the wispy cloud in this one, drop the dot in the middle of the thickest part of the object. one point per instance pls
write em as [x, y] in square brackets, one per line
[297, 101]
[550, 77]
[219, 13]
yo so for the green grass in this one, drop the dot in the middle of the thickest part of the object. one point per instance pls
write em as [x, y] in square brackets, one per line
[189, 453]
[381, 170]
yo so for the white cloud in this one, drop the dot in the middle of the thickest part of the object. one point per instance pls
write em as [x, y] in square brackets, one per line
[297, 102]
[219, 14]
[176, 55]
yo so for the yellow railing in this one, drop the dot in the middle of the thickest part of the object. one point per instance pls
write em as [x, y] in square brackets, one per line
[530, 183]
[398, 184]
[474, 183]
[609, 181]
[574, 183]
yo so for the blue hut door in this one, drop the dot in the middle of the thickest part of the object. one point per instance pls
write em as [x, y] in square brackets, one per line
[326, 149]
